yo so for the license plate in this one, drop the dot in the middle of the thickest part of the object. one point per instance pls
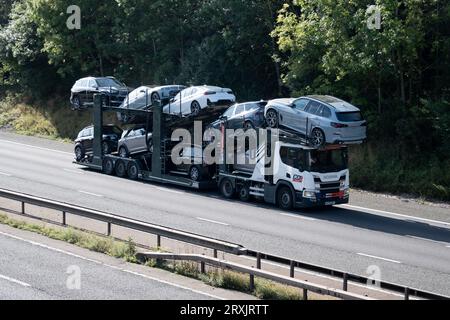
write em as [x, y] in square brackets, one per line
[330, 203]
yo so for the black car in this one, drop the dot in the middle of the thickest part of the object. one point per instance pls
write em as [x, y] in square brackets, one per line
[112, 90]
[248, 115]
[85, 141]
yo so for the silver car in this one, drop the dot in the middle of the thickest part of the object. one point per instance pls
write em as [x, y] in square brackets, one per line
[321, 119]
[135, 141]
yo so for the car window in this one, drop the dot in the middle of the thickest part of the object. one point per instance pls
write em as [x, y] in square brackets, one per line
[194, 91]
[313, 107]
[326, 112]
[92, 84]
[229, 112]
[349, 116]
[239, 109]
[301, 104]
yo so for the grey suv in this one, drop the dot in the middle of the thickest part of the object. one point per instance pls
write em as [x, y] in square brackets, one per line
[135, 141]
[321, 119]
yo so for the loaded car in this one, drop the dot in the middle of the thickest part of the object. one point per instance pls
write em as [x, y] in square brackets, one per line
[321, 119]
[144, 97]
[190, 157]
[85, 140]
[249, 115]
[135, 141]
[193, 100]
[112, 90]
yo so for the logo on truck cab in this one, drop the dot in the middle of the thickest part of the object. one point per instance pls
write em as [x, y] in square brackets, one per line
[298, 179]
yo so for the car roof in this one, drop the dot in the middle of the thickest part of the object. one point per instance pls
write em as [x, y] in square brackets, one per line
[285, 101]
[338, 104]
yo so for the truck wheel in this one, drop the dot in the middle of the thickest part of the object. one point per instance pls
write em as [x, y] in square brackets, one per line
[195, 173]
[133, 171]
[79, 153]
[244, 193]
[121, 169]
[227, 189]
[285, 199]
[108, 167]
[272, 119]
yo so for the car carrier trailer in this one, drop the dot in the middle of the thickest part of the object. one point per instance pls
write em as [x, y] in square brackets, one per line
[283, 173]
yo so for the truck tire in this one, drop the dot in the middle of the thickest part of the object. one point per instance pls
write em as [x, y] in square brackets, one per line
[133, 170]
[244, 193]
[108, 167]
[227, 189]
[121, 169]
[285, 199]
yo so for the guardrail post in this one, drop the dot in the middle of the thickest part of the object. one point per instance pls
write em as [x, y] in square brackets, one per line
[407, 293]
[292, 269]
[158, 241]
[215, 254]
[345, 287]
[305, 294]
[64, 218]
[109, 229]
[23, 207]
[202, 267]
[252, 282]
[258, 261]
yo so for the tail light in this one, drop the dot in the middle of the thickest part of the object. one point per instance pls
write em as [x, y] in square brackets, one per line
[209, 93]
[338, 125]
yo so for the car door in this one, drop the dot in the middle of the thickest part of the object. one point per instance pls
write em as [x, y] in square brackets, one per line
[186, 101]
[237, 120]
[89, 139]
[312, 111]
[140, 141]
[299, 120]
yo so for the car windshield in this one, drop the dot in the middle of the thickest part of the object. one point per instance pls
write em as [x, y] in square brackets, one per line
[328, 160]
[107, 82]
[349, 116]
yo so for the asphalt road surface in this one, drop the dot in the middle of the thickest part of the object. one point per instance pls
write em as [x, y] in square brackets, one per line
[407, 242]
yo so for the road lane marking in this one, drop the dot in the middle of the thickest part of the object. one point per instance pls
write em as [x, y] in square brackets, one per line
[429, 240]
[23, 284]
[73, 171]
[212, 221]
[396, 214]
[109, 266]
[35, 147]
[298, 217]
[168, 190]
[91, 194]
[379, 258]
[5, 174]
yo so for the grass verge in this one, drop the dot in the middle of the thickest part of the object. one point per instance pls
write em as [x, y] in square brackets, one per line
[264, 289]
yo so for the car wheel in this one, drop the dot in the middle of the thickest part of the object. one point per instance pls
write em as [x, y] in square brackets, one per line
[248, 125]
[195, 173]
[123, 152]
[272, 119]
[121, 169]
[317, 138]
[133, 171]
[76, 103]
[79, 152]
[285, 199]
[108, 167]
[244, 193]
[227, 189]
[106, 149]
[195, 108]
[155, 97]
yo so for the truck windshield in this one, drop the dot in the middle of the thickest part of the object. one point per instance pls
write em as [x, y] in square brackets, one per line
[328, 160]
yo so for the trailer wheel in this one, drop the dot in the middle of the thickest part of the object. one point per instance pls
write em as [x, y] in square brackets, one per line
[285, 199]
[244, 193]
[121, 169]
[108, 167]
[227, 189]
[133, 171]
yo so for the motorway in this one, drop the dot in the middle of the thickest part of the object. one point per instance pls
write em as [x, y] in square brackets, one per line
[409, 242]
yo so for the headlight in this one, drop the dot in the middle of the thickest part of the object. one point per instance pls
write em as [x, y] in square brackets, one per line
[309, 194]
[346, 192]
[342, 183]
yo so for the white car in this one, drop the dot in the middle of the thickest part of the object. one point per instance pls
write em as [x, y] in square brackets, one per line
[192, 100]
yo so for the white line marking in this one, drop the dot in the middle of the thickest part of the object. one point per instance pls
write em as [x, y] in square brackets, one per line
[298, 217]
[168, 190]
[397, 214]
[448, 247]
[23, 284]
[109, 266]
[35, 147]
[215, 222]
[91, 194]
[429, 240]
[379, 258]
[73, 171]
[5, 174]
